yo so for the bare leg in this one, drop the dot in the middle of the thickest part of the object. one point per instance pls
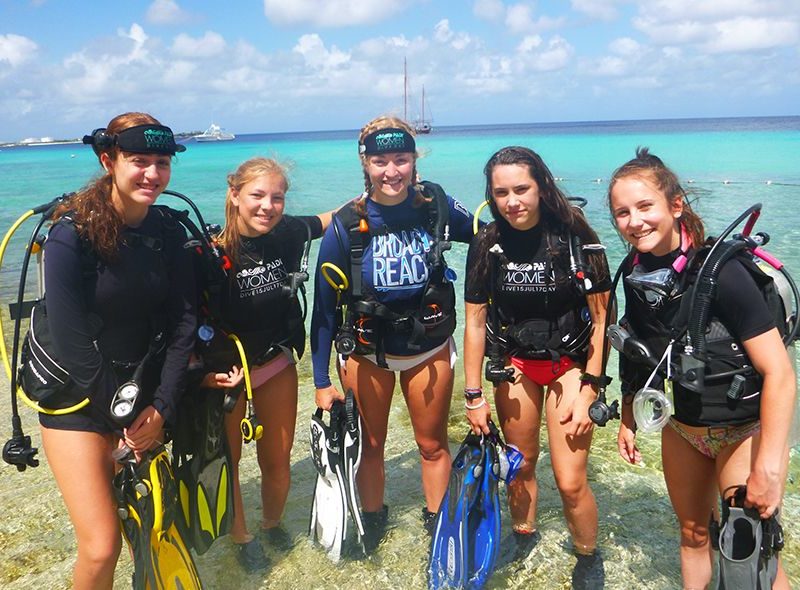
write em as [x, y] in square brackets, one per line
[276, 406]
[428, 389]
[519, 409]
[83, 469]
[690, 478]
[239, 533]
[570, 456]
[373, 388]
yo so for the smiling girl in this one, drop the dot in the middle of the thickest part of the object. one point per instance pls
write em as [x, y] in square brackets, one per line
[264, 245]
[712, 444]
[117, 278]
[409, 313]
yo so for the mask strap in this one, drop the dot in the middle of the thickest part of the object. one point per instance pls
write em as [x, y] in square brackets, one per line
[680, 262]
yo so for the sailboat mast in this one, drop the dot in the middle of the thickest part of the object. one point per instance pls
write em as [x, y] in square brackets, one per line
[405, 90]
[423, 104]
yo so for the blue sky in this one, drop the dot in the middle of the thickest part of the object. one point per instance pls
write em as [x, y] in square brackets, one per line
[287, 65]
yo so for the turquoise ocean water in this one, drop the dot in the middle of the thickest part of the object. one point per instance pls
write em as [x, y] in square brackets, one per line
[729, 163]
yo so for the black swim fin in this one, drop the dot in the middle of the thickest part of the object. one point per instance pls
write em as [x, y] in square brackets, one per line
[202, 466]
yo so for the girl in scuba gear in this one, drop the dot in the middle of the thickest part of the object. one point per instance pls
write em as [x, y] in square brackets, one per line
[399, 266]
[140, 279]
[543, 312]
[264, 247]
[713, 442]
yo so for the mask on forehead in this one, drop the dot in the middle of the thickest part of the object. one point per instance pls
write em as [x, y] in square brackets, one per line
[140, 139]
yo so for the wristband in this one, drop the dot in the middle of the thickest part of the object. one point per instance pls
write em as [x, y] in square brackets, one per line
[598, 380]
[473, 393]
[476, 406]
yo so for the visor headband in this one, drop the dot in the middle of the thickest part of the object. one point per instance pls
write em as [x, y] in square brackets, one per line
[141, 139]
[384, 141]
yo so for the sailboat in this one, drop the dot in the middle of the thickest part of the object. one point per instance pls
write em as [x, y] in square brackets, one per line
[421, 125]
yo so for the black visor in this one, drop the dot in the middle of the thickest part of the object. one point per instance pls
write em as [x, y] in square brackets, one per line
[385, 141]
[141, 139]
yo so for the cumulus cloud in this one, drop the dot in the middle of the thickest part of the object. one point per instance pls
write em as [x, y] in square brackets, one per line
[599, 9]
[210, 44]
[442, 33]
[492, 10]
[721, 27]
[541, 57]
[624, 46]
[315, 54]
[166, 12]
[330, 13]
[16, 49]
[747, 34]
[520, 19]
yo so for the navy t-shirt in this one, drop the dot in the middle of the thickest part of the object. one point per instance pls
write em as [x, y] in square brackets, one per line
[394, 271]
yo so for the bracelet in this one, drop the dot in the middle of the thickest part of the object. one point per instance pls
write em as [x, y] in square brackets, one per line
[598, 380]
[476, 406]
[473, 393]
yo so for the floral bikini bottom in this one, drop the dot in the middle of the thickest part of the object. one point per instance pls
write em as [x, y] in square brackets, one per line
[715, 438]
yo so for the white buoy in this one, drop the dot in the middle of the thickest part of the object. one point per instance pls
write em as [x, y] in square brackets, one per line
[768, 182]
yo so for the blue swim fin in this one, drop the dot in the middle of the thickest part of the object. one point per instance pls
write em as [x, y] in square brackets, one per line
[484, 521]
[450, 549]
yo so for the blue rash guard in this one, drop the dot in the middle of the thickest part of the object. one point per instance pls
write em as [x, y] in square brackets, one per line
[394, 272]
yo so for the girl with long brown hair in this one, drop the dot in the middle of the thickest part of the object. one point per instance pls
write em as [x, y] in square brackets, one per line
[116, 277]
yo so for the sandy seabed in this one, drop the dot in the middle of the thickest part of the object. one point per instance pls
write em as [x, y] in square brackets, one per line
[638, 533]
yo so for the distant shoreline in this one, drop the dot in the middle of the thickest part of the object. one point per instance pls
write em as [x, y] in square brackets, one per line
[49, 141]
[186, 135]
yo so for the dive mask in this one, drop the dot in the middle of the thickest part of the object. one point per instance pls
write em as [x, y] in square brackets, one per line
[662, 280]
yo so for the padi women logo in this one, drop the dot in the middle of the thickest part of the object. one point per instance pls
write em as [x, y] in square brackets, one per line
[260, 279]
[390, 140]
[158, 139]
[527, 277]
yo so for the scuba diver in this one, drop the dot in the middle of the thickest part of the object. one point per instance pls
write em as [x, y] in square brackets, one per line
[259, 308]
[726, 403]
[119, 322]
[536, 299]
[384, 296]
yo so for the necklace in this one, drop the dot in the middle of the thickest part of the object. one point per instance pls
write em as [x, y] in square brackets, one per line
[247, 248]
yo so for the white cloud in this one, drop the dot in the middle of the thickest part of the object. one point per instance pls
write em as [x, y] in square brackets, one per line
[330, 13]
[166, 12]
[555, 55]
[16, 49]
[721, 27]
[748, 34]
[442, 33]
[313, 50]
[600, 9]
[519, 19]
[624, 46]
[492, 10]
[704, 10]
[210, 44]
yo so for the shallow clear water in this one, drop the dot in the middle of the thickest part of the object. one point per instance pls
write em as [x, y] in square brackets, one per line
[638, 534]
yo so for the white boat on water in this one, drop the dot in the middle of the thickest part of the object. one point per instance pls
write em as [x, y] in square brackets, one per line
[214, 133]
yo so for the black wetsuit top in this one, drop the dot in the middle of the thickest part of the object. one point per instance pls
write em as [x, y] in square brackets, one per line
[740, 307]
[253, 305]
[142, 291]
[534, 284]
